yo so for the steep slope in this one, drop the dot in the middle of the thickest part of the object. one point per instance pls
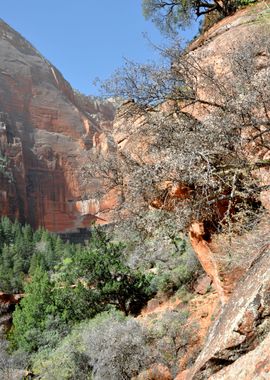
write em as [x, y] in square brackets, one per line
[237, 346]
[46, 131]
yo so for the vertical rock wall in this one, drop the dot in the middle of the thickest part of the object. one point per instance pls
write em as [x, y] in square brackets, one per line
[46, 132]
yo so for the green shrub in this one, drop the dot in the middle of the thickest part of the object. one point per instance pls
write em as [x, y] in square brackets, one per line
[187, 269]
[169, 335]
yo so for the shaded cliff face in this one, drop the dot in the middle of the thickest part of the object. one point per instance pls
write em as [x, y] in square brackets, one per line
[46, 132]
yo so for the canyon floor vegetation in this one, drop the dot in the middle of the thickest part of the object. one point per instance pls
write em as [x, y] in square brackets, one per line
[74, 291]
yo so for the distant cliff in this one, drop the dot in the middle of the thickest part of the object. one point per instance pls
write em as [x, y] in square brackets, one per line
[46, 132]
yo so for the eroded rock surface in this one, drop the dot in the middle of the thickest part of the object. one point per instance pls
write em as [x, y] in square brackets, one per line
[46, 132]
[238, 345]
[243, 322]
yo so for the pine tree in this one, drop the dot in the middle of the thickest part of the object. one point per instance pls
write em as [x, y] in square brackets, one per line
[30, 316]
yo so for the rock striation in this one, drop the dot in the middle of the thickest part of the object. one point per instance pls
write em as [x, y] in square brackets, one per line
[237, 345]
[46, 133]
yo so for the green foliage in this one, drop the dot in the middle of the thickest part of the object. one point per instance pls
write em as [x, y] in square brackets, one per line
[242, 3]
[22, 250]
[97, 277]
[66, 361]
[73, 285]
[168, 16]
[109, 346]
[11, 365]
[112, 347]
[93, 279]
[30, 316]
[171, 15]
[186, 269]
[170, 334]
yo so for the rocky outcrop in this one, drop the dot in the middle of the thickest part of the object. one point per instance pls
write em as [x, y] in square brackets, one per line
[7, 306]
[242, 325]
[237, 345]
[46, 132]
[254, 365]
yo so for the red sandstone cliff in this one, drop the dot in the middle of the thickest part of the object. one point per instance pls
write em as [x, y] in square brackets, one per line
[237, 345]
[46, 132]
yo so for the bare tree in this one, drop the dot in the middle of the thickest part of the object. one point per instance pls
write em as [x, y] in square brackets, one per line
[117, 350]
[207, 133]
[12, 367]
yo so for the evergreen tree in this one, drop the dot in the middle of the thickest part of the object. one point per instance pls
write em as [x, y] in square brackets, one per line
[99, 274]
[30, 316]
[173, 14]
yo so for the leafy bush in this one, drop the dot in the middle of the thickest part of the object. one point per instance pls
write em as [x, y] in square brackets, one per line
[186, 269]
[66, 361]
[11, 365]
[98, 277]
[169, 336]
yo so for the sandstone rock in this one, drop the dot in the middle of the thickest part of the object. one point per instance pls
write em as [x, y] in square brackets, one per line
[157, 372]
[10, 299]
[254, 365]
[203, 285]
[46, 131]
[7, 306]
[242, 322]
[207, 257]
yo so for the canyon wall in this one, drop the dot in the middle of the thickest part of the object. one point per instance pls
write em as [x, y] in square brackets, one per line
[237, 345]
[46, 133]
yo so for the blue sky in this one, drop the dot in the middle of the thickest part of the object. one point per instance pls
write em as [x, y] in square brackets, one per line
[84, 39]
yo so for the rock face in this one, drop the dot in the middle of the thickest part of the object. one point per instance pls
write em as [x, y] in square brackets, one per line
[242, 325]
[254, 365]
[46, 132]
[238, 345]
[7, 306]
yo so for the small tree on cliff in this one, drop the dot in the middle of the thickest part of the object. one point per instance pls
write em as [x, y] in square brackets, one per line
[169, 15]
